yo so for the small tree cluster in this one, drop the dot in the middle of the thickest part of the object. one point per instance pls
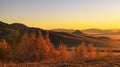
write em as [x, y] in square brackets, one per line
[80, 51]
[33, 47]
[83, 52]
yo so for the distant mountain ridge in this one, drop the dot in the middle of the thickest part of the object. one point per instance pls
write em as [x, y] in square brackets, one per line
[63, 30]
[100, 31]
[91, 31]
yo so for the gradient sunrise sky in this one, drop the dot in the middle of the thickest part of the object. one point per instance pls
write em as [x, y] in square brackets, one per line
[68, 14]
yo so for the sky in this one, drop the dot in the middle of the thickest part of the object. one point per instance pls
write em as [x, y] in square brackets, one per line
[67, 14]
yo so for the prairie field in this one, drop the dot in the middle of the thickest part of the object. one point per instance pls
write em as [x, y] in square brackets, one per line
[94, 62]
[98, 62]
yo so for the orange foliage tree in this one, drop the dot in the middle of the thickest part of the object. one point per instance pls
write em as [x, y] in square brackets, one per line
[92, 51]
[22, 50]
[33, 48]
[84, 51]
[5, 51]
[63, 52]
[108, 52]
[98, 53]
[42, 46]
[80, 52]
[74, 53]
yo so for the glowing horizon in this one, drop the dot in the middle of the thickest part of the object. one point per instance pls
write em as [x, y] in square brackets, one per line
[67, 14]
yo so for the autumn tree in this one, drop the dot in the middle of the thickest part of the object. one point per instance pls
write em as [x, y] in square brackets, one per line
[43, 46]
[5, 51]
[14, 38]
[84, 50]
[81, 52]
[27, 48]
[92, 51]
[98, 53]
[74, 52]
[33, 47]
[22, 51]
[108, 52]
[53, 54]
[63, 52]
[48, 42]
[78, 53]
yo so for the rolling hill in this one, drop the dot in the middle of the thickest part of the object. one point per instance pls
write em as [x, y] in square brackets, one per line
[68, 39]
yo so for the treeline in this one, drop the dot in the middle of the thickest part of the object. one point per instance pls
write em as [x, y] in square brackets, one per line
[34, 47]
[28, 48]
[90, 52]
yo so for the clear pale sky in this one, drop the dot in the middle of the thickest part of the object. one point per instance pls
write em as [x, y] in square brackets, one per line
[68, 14]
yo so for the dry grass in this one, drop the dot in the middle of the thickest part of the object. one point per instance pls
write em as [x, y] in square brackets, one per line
[96, 62]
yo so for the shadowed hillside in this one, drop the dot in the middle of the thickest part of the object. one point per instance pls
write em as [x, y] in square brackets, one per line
[6, 30]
